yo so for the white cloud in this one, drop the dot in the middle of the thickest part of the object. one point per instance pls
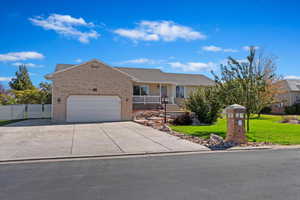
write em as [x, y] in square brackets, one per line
[213, 48]
[25, 55]
[160, 30]
[230, 50]
[192, 66]
[142, 61]
[292, 77]
[26, 64]
[247, 48]
[5, 79]
[67, 25]
[78, 60]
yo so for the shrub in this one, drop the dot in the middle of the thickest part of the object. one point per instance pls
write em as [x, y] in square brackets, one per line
[205, 104]
[266, 110]
[184, 119]
[293, 109]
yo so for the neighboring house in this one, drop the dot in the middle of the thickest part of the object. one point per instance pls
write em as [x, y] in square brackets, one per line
[95, 91]
[289, 94]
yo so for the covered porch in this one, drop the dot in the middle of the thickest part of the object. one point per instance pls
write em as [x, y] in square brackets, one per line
[154, 93]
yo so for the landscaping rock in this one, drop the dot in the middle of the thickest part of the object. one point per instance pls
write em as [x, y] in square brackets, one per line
[216, 142]
[215, 139]
[155, 119]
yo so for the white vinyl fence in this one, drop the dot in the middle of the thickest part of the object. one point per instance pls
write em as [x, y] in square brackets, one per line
[25, 111]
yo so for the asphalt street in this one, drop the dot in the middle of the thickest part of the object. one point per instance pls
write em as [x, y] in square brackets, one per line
[263, 174]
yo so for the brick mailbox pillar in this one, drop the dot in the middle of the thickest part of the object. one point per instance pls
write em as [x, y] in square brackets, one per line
[236, 124]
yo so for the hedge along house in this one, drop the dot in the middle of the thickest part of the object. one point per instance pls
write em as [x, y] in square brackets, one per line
[95, 92]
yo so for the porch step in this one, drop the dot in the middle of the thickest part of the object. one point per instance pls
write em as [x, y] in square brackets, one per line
[173, 108]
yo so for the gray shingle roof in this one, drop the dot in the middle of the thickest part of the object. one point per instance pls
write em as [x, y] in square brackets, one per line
[293, 84]
[157, 76]
[62, 66]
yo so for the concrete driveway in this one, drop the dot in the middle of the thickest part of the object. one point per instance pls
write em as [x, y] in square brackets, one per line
[33, 139]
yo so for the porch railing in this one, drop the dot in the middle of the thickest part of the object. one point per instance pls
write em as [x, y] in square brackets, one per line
[146, 99]
[150, 99]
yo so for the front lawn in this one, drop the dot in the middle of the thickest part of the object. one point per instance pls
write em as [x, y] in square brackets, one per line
[266, 129]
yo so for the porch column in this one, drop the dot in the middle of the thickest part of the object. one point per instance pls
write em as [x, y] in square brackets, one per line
[160, 92]
[173, 92]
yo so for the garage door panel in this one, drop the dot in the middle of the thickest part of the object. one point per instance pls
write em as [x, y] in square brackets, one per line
[84, 108]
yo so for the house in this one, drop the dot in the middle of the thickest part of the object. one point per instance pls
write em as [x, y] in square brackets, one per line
[289, 94]
[95, 91]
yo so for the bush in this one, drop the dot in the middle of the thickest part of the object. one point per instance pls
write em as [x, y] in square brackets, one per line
[184, 119]
[292, 110]
[205, 104]
[266, 110]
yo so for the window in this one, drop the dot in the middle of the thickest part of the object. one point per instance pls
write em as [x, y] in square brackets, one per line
[179, 91]
[297, 98]
[140, 90]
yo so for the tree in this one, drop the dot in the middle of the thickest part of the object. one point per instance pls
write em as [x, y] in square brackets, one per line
[27, 96]
[45, 92]
[6, 99]
[205, 104]
[22, 80]
[248, 83]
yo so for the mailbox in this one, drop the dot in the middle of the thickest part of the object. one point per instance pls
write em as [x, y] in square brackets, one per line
[236, 124]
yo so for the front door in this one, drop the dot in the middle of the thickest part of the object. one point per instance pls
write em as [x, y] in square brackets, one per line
[164, 91]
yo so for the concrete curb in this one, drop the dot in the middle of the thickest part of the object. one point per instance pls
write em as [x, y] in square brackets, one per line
[102, 156]
[249, 148]
[145, 154]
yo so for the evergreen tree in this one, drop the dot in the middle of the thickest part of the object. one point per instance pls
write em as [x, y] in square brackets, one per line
[22, 80]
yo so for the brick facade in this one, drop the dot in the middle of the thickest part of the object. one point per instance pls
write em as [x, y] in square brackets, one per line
[91, 78]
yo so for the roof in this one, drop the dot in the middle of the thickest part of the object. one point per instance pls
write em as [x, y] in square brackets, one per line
[62, 66]
[156, 75]
[293, 84]
[153, 75]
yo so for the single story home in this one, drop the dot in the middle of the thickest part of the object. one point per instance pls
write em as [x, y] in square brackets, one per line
[289, 94]
[94, 91]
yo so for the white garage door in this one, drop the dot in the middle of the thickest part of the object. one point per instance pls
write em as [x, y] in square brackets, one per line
[86, 108]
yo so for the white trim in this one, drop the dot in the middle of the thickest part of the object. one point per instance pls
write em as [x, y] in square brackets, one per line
[155, 82]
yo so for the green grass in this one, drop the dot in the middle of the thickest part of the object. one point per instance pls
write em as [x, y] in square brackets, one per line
[266, 129]
[5, 122]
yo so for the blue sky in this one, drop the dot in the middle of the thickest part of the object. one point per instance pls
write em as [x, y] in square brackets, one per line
[176, 36]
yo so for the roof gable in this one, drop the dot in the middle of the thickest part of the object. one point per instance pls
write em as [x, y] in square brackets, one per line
[60, 68]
